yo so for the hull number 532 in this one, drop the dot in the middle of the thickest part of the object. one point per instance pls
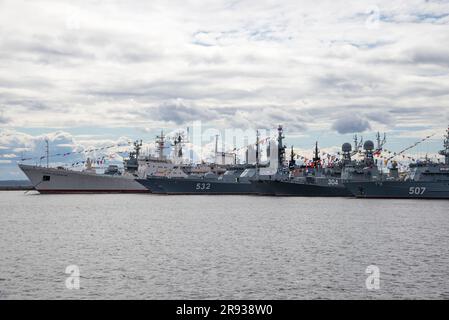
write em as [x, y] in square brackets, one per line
[202, 186]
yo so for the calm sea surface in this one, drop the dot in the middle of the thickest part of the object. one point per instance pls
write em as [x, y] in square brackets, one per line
[221, 247]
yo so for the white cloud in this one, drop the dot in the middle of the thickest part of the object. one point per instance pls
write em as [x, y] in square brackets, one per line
[64, 149]
[350, 123]
[10, 155]
[245, 64]
[95, 63]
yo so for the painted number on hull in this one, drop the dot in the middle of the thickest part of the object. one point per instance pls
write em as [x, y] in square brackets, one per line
[203, 186]
[416, 190]
[332, 182]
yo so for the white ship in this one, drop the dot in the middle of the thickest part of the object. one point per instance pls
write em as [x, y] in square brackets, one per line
[62, 180]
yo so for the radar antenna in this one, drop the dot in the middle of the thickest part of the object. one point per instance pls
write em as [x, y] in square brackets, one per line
[346, 149]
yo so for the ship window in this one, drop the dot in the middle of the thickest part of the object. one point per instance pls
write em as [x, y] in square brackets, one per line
[46, 178]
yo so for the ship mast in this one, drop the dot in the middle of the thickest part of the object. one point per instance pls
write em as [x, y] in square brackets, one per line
[137, 147]
[131, 164]
[316, 157]
[216, 149]
[445, 151]
[357, 144]
[257, 152]
[160, 141]
[281, 147]
[47, 152]
[380, 142]
[178, 144]
[269, 150]
[190, 146]
[292, 161]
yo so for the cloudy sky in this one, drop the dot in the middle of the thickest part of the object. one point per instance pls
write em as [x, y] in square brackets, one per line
[92, 73]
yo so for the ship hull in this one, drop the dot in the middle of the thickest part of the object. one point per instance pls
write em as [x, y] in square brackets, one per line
[161, 185]
[400, 189]
[50, 180]
[294, 189]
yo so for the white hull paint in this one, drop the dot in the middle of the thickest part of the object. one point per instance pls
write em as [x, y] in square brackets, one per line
[67, 181]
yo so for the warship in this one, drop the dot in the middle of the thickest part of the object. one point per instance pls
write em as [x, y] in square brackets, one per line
[275, 178]
[315, 180]
[62, 180]
[232, 179]
[46, 179]
[162, 175]
[426, 180]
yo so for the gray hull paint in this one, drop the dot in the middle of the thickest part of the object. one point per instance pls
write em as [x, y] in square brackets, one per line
[255, 187]
[400, 189]
[196, 186]
[67, 181]
[294, 189]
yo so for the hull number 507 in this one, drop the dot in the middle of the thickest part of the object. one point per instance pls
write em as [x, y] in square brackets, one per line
[416, 190]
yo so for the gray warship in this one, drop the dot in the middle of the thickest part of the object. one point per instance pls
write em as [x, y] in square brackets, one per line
[426, 180]
[315, 180]
[62, 180]
[232, 179]
[278, 179]
[46, 179]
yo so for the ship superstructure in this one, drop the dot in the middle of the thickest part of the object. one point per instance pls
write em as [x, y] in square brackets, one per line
[426, 179]
[314, 179]
[225, 180]
[62, 180]
[171, 174]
